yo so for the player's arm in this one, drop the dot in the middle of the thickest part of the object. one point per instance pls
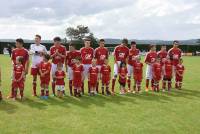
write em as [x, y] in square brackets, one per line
[63, 54]
[27, 65]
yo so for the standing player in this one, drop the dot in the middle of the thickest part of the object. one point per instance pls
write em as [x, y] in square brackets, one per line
[179, 74]
[45, 70]
[93, 77]
[105, 76]
[60, 82]
[162, 54]
[37, 50]
[70, 61]
[121, 53]
[138, 74]
[167, 74]
[101, 54]
[77, 77]
[157, 74]
[18, 78]
[133, 53]
[175, 55]
[87, 54]
[20, 51]
[58, 55]
[150, 58]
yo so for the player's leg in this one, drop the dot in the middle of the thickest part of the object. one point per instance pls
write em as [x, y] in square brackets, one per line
[34, 72]
[70, 76]
[53, 84]
[42, 90]
[130, 72]
[148, 76]
[139, 86]
[164, 81]
[169, 84]
[102, 88]
[47, 90]
[114, 78]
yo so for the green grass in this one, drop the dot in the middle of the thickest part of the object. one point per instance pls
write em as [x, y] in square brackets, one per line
[177, 112]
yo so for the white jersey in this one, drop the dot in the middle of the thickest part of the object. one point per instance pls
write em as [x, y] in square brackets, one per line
[36, 58]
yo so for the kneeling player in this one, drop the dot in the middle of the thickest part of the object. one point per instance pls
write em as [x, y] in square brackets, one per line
[60, 82]
[105, 77]
[77, 77]
[167, 73]
[93, 77]
[44, 70]
[157, 74]
[179, 74]
[138, 74]
[18, 78]
[122, 77]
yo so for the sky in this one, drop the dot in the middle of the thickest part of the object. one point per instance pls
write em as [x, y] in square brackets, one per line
[132, 19]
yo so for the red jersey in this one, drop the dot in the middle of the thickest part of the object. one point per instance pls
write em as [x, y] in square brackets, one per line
[132, 56]
[77, 75]
[121, 53]
[180, 69]
[18, 71]
[60, 74]
[20, 52]
[138, 71]
[93, 72]
[150, 57]
[175, 53]
[71, 56]
[157, 71]
[45, 66]
[162, 55]
[123, 73]
[168, 69]
[101, 53]
[87, 54]
[60, 49]
[105, 74]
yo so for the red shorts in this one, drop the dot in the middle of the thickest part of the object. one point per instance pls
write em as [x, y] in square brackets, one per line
[35, 71]
[105, 80]
[138, 78]
[157, 78]
[44, 80]
[178, 78]
[19, 84]
[77, 84]
[93, 84]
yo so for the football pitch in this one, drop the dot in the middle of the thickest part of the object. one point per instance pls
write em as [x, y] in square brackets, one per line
[145, 113]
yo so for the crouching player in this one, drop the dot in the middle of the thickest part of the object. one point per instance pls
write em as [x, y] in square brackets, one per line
[105, 77]
[167, 74]
[77, 77]
[0, 86]
[44, 70]
[93, 77]
[157, 74]
[122, 77]
[18, 78]
[60, 82]
[138, 75]
[179, 74]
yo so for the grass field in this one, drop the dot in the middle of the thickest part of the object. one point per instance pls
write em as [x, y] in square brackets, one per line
[147, 113]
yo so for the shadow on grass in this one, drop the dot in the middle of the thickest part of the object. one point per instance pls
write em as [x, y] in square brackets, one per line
[7, 107]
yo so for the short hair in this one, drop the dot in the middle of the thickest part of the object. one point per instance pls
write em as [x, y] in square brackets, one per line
[151, 46]
[20, 59]
[175, 41]
[101, 40]
[133, 43]
[72, 44]
[125, 41]
[39, 36]
[56, 39]
[20, 40]
[47, 56]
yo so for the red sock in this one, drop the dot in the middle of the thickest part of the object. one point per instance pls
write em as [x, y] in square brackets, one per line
[169, 85]
[42, 92]
[113, 85]
[70, 87]
[53, 87]
[97, 87]
[164, 84]
[34, 88]
[138, 86]
[157, 86]
[47, 92]
[129, 84]
[88, 86]
[147, 83]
